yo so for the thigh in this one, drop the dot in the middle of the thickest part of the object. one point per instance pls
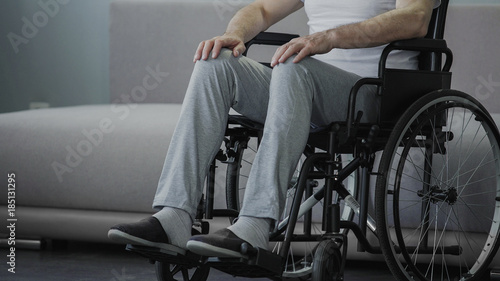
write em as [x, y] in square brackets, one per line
[331, 88]
[238, 82]
[251, 88]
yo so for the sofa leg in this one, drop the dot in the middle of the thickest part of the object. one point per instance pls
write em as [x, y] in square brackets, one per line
[29, 244]
[495, 274]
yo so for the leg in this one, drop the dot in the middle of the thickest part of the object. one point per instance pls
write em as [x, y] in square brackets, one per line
[310, 91]
[215, 86]
[300, 94]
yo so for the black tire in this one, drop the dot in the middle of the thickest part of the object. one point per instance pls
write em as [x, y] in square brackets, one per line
[438, 190]
[170, 272]
[327, 262]
[239, 163]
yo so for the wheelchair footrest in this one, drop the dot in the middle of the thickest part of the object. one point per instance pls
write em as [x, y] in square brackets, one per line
[261, 264]
[162, 255]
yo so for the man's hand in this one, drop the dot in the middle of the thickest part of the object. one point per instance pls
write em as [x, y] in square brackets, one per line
[247, 23]
[215, 45]
[317, 43]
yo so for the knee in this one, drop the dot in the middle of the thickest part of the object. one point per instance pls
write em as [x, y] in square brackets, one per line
[211, 70]
[290, 74]
[213, 78]
[224, 60]
[289, 69]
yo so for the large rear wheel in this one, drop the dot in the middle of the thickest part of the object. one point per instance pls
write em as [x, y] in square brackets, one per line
[438, 190]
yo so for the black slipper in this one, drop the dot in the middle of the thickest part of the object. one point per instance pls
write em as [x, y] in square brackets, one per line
[147, 232]
[222, 243]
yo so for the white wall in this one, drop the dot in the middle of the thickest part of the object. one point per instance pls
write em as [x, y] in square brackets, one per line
[56, 53]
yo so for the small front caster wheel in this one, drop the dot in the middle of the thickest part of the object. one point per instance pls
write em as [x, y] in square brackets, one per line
[327, 262]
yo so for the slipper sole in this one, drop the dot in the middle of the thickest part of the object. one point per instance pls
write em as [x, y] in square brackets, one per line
[122, 237]
[208, 250]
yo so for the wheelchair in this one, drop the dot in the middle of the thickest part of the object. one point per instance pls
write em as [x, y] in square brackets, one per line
[435, 154]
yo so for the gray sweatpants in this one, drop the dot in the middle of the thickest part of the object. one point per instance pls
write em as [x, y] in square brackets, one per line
[287, 99]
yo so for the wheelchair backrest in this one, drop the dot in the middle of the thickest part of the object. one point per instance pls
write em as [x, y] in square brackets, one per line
[400, 88]
[436, 31]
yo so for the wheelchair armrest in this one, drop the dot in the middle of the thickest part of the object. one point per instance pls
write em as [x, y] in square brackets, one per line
[270, 38]
[421, 45]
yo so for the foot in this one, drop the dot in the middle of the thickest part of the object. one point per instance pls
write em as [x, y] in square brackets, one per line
[147, 232]
[223, 244]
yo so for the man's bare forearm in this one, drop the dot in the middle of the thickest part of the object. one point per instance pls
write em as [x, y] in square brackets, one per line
[247, 23]
[259, 16]
[380, 30]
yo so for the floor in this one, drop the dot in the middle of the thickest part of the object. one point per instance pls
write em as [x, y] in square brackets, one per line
[103, 262]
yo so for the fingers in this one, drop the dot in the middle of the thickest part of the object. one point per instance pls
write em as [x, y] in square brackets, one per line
[278, 55]
[199, 50]
[302, 54]
[239, 49]
[215, 45]
[301, 47]
[284, 52]
[204, 49]
[317, 43]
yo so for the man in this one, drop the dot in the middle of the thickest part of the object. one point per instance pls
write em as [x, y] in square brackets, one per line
[346, 39]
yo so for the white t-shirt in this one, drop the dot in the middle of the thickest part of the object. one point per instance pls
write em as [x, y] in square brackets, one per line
[324, 15]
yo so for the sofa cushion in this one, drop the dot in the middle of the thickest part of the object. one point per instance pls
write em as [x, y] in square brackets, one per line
[103, 157]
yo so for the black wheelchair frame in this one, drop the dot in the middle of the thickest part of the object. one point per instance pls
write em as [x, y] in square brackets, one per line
[418, 120]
